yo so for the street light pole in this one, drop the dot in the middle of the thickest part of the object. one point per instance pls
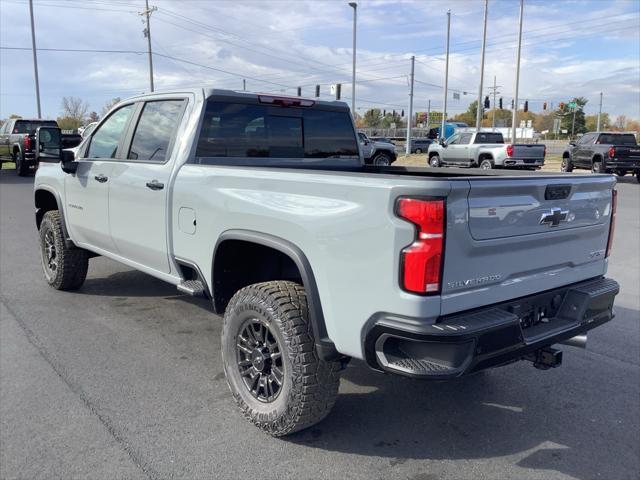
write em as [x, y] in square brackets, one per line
[599, 113]
[410, 117]
[446, 76]
[35, 58]
[484, 40]
[354, 5]
[514, 118]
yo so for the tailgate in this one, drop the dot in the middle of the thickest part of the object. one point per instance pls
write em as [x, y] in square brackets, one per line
[509, 237]
[627, 153]
[524, 150]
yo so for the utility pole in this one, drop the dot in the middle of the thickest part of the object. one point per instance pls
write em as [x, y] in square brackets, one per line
[354, 5]
[35, 58]
[410, 117]
[573, 122]
[147, 33]
[495, 92]
[429, 114]
[446, 76]
[484, 40]
[514, 118]
[599, 113]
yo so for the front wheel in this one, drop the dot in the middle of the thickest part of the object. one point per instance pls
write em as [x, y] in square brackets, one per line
[434, 161]
[270, 360]
[382, 160]
[65, 268]
[566, 165]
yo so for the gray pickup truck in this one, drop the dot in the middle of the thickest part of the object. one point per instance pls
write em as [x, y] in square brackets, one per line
[376, 152]
[17, 140]
[263, 204]
[603, 152]
[484, 149]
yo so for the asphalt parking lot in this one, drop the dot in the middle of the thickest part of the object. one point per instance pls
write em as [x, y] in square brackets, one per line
[123, 379]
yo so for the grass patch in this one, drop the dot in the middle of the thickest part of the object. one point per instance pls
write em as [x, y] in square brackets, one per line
[8, 166]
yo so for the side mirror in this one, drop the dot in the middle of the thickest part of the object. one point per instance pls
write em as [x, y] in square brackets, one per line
[572, 143]
[443, 142]
[48, 144]
[68, 164]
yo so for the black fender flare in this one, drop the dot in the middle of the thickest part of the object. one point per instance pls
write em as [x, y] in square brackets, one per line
[324, 346]
[38, 214]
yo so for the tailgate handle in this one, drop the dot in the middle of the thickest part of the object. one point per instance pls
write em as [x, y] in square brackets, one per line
[557, 192]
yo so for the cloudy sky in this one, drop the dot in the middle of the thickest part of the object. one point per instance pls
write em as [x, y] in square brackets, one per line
[570, 48]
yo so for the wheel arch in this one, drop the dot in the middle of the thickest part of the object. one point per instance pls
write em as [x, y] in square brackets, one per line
[227, 276]
[45, 200]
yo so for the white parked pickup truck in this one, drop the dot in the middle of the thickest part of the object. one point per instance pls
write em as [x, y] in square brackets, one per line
[263, 204]
[485, 149]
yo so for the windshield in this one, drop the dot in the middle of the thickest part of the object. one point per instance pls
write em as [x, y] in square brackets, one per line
[30, 127]
[617, 139]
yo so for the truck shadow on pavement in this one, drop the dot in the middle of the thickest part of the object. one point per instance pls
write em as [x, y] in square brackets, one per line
[10, 177]
[550, 420]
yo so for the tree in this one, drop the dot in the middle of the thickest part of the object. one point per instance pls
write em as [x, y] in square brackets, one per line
[93, 117]
[469, 117]
[109, 105]
[567, 116]
[390, 118]
[373, 118]
[74, 111]
[591, 122]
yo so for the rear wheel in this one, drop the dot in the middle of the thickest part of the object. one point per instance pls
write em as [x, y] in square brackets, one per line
[621, 173]
[65, 268]
[21, 169]
[434, 161]
[417, 150]
[566, 165]
[596, 166]
[486, 164]
[270, 360]
[638, 176]
[382, 160]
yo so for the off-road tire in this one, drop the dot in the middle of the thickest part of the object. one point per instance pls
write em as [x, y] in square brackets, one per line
[21, 169]
[638, 176]
[71, 263]
[309, 386]
[381, 159]
[566, 165]
[434, 161]
[486, 164]
[596, 166]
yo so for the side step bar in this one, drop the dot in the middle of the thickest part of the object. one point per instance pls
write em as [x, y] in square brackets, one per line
[195, 288]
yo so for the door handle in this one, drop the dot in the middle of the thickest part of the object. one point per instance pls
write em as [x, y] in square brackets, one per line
[101, 178]
[155, 185]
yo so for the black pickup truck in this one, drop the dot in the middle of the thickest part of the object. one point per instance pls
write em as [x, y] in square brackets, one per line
[604, 152]
[17, 141]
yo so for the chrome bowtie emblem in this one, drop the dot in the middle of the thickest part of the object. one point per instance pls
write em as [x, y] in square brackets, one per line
[554, 216]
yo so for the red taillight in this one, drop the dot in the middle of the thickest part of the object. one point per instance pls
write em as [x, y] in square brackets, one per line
[510, 150]
[286, 101]
[612, 152]
[421, 262]
[27, 142]
[612, 225]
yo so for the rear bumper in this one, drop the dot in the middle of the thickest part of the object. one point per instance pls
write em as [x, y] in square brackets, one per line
[630, 165]
[523, 162]
[471, 341]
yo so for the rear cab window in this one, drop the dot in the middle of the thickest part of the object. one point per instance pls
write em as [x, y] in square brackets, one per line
[30, 127]
[617, 139]
[489, 137]
[156, 130]
[234, 133]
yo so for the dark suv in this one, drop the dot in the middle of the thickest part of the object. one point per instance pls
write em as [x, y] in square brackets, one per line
[420, 145]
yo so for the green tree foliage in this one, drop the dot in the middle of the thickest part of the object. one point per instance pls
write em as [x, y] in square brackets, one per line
[373, 118]
[567, 115]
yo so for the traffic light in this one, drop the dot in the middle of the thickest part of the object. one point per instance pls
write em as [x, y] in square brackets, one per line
[317, 91]
[394, 114]
[384, 113]
[544, 106]
[512, 105]
[500, 103]
[402, 114]
[561, 105]
[299, 91]
[338, 91]
[526, 105]
[487, 104]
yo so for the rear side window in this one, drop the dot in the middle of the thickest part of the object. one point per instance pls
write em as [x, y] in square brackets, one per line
[489, 137]
[155, 130]
[617, 139]
[26, 126]
[465, 138]
[245, 130]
